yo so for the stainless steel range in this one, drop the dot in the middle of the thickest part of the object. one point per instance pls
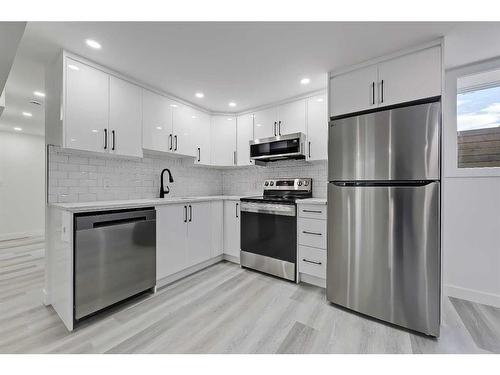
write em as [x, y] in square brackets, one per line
[269, 227]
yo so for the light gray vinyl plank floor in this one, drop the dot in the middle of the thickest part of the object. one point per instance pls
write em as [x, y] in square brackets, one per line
[221, 309]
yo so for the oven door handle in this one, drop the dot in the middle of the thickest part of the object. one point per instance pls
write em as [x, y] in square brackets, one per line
[267, 208]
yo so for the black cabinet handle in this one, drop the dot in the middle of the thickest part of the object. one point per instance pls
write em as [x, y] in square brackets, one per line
[237, 210]
[185, 214]
[170, 141]
[190, 213]
[175, 148]
[309, 149]
[105, 139]
[373, 93]
[382, 92]
[279, 128]
[199, 154]
[113, 140]
[274, 128]
[312, 211]
[311, 261]
[313, 233]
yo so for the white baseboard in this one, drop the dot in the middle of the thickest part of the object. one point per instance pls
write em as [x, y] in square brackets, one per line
[313, 280]
[231, 258]
[18, 235]
[188, 271]
[472, 295]
[45, 297]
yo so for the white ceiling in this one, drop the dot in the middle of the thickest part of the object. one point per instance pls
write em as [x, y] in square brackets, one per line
[250, 63]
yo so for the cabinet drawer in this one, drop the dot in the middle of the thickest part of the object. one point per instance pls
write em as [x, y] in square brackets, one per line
[312, 232]
[312, 261]
[312, 211]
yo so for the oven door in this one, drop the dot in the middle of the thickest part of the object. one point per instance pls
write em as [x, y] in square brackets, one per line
[269, 238]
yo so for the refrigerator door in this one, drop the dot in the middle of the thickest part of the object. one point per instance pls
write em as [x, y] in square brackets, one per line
[384, 254]
[397, 144]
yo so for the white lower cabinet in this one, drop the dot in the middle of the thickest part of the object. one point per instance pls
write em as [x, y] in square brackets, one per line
[183, 236]
[311, 249]
[232, 229]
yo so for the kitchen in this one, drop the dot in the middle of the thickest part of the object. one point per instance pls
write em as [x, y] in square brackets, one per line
[312, 221]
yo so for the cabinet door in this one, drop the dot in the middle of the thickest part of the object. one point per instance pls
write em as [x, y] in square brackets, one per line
[156, 121]
[86, 107]
[217, 226]
[317, 128]
[232, 228]
[202, 138]
[265, 123]
[354, 91]
[224, 140]
[171, 239]
[184, 125]
[292, 117]
[410, 77]
[125, 118]
[244, 134]
[199, 233]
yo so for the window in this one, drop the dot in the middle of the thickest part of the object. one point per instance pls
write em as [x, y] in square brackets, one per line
[478, 120]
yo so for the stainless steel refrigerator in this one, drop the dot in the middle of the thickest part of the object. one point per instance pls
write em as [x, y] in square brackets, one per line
[384, 215]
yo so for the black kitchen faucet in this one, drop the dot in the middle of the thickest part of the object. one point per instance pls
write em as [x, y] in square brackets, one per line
[170, 179]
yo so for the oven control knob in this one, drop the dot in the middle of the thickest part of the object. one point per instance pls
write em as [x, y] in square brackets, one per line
[300, 183]
[271, 183]
[266, 183]
[306, 183]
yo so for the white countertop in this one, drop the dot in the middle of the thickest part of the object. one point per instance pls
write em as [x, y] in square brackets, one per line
[136, 203]
[311, 201]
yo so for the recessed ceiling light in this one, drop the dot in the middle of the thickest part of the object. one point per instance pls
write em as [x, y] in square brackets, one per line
[320, 100]
[193, 116]
[173, 105]
[39, 94]
[18, 129]
[232, 104]
[27, 114]
[73, 67]
[93, 44]
[305, 81]
[199, 95]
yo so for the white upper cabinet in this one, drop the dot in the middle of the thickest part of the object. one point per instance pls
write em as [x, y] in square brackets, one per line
[410, 77]
[125, 118]
[354, 91]
[202, 138]
[401, 79]
[156, 122]
[266, 123]
[184, 127]
[223, 140]
[86, 107]
[292, 117]
[244, 134]
[317, 128]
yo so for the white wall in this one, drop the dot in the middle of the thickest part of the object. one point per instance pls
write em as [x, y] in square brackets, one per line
[471, 212]
[22, 184]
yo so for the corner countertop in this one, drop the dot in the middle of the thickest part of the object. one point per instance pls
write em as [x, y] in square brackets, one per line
[136, 203]
[312, 201]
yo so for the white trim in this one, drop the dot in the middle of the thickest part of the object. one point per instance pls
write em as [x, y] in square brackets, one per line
[231, 258]
[472, 295]
[313, 280]
[378, 60]
[20, 235]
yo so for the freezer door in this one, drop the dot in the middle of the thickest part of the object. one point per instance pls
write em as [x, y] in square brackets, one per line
[383, 255]
[397, 144]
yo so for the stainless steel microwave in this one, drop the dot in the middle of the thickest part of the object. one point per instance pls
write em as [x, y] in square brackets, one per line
[288, 146]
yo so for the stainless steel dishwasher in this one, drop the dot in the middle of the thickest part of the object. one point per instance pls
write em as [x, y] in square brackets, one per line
[114, 258]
